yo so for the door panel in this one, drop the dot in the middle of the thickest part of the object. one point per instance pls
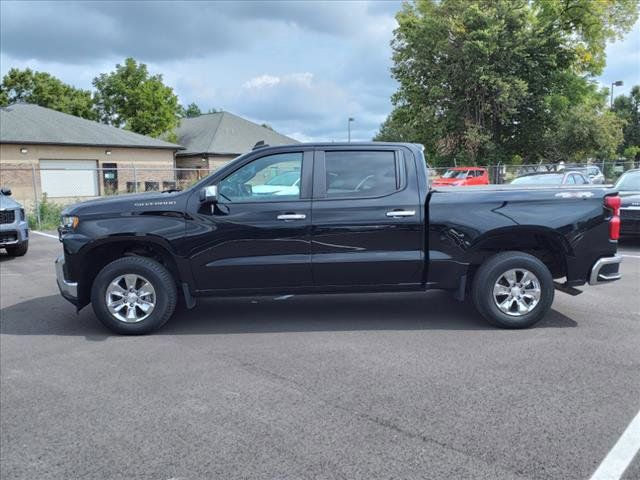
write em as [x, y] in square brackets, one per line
[258, 236]
[366, 241]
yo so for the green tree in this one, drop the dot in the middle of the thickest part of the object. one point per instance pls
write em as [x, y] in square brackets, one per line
[45, 90]
[130, 97]
[586, 26]
[486, 80]
[4, 97]
[192, 110]
[627, 107]
[588, 129]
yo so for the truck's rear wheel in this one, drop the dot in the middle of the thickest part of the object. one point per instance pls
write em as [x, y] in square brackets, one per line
[513, 290]
[134, 295]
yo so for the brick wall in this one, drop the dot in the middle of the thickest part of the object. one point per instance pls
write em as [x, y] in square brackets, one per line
[155, 166]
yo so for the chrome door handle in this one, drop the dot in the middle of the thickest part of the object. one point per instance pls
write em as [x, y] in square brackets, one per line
[292, 216]
[401, 213]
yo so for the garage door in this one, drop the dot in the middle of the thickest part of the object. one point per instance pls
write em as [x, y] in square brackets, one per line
[69, 178]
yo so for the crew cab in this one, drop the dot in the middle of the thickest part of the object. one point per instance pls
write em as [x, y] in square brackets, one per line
[363, 218]
[462, 176]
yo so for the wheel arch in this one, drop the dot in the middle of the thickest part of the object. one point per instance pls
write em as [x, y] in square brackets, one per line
[550, 246]
[101, 252]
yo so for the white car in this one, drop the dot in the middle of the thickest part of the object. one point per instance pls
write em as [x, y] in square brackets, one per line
[287, 183]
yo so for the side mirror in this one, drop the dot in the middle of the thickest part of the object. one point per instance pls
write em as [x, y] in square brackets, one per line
[209, 194]
[6, 191]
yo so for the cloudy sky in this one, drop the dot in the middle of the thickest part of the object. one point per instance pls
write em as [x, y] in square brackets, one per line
[303, 67]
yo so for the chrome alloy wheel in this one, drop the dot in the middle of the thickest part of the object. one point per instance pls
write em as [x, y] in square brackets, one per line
[517, 292]
[130, 298]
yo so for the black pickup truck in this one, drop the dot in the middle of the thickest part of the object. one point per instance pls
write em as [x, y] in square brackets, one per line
[335, 218]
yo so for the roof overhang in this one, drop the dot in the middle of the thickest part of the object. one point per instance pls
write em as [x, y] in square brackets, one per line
[98, 145]
[206, 154]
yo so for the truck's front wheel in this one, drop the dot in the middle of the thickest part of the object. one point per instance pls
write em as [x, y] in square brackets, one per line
[513, 290]
[134, 295]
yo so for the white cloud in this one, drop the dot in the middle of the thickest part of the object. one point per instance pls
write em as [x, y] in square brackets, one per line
[261, 82]
[266, 80]
[304, 67]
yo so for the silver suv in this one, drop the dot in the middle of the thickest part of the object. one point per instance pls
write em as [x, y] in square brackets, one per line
[14, 231]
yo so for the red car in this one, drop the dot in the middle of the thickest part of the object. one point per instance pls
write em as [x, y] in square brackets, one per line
[463, 176]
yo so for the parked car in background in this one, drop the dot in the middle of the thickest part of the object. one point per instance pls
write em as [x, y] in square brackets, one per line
[630, 216]
[287, 183]
[560, 178]
[629, 183]
[14, 231]
[463, 176]
[592, 172]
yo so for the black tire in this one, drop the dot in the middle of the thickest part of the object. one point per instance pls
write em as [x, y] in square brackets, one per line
[19, 250]
[160, 278]
[488, 275]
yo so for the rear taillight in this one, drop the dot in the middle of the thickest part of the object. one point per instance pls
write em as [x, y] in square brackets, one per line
[613, 204]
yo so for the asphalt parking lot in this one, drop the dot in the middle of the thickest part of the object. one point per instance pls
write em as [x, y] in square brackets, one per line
[353, 387]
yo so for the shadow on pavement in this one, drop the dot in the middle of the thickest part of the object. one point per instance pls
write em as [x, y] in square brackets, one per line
[5, 257]
[413, 311]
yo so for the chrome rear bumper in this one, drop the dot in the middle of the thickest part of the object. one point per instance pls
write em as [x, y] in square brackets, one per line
[606, 269]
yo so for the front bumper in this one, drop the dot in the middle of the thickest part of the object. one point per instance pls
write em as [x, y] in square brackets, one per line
[630, 221]
[12, 234]
[68, 290]
[605, 270]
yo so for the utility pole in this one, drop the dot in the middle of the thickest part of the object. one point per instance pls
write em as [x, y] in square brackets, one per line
[351, 119]
[617, 83]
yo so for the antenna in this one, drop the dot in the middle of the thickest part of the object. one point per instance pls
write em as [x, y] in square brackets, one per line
[259, 144]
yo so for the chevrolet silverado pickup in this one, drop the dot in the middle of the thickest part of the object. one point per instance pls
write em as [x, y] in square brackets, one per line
[351, 218]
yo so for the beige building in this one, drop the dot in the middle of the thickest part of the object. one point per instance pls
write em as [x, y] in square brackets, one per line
[68, 158]
[213, 139]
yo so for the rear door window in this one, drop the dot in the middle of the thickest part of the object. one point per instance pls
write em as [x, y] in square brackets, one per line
[361, 174]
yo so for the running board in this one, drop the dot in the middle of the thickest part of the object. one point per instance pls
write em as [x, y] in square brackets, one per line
[567, 289]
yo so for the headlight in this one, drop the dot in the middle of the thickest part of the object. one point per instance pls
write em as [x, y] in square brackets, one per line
[70, 221]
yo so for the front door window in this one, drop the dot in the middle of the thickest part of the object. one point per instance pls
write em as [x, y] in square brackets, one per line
[271, 178]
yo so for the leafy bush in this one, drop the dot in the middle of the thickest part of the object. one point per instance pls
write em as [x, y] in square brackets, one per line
[49, 215]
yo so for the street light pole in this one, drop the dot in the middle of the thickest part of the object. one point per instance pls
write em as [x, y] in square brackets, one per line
[617, 83]
[351, 119]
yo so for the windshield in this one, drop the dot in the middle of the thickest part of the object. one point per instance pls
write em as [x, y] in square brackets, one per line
[287, 179]
[539, 180]
[455, 174]
[629, 181]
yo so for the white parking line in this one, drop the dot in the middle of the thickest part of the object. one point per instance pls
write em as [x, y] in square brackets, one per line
[622, 453]
[44, 234]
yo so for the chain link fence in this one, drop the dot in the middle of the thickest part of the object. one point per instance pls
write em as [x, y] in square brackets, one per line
[44, 192]
[501, 173]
